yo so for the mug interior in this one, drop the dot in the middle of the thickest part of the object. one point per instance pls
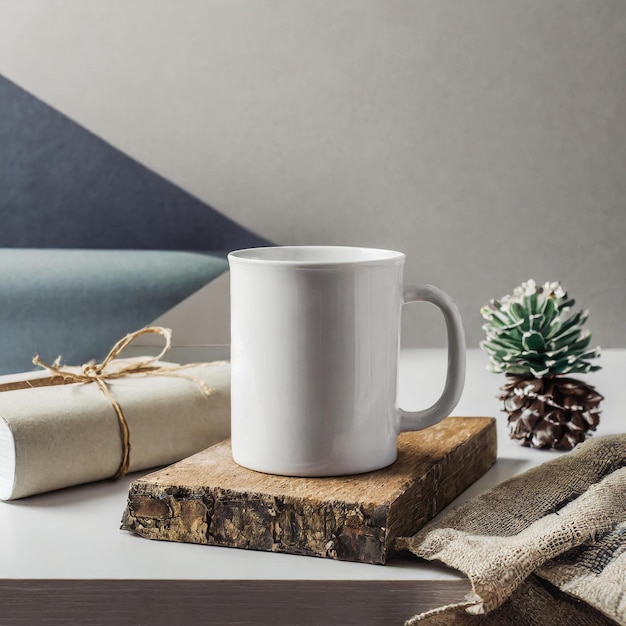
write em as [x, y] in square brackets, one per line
[316, 255]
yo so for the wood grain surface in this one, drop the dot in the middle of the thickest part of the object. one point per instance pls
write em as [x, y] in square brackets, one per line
[209, 499]
[240, 602]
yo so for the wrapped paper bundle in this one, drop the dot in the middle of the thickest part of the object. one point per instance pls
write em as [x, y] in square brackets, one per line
[55, 432]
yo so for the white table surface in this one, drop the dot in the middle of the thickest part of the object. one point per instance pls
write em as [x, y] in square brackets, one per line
[75, 533]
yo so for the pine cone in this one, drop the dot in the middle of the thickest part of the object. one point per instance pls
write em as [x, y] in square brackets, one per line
[552, 412]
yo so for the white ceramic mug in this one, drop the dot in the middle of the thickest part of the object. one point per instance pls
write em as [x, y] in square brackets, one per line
[314, 351]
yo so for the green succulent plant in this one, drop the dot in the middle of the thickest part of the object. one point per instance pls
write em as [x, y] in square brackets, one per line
[531, 333]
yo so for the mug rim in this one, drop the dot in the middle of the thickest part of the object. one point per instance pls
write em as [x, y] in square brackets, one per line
[315, 256]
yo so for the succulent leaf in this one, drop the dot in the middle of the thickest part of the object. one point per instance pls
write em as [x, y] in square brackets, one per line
[532, 340]
[531, 333]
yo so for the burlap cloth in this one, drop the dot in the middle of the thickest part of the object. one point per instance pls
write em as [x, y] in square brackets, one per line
[536, 545]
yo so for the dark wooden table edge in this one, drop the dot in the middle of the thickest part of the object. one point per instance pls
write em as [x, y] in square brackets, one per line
[26, 602]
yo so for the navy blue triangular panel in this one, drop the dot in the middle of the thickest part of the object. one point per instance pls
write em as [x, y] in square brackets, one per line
[61, 186]
[112, 245]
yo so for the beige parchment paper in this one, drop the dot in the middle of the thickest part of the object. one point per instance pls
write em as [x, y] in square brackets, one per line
[61, 435]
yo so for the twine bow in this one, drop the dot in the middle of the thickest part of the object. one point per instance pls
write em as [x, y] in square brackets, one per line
[99, 374]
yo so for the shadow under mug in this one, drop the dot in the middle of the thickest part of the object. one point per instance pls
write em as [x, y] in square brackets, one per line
[315, 339]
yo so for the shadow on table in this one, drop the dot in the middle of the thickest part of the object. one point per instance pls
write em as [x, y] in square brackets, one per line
[70, 496]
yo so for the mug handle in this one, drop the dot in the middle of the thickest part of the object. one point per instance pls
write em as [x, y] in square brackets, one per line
[455, 378]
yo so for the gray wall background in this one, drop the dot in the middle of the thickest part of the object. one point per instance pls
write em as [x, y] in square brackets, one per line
[486, 139]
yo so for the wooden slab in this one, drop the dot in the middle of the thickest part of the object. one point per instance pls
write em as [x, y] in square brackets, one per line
[209, 499]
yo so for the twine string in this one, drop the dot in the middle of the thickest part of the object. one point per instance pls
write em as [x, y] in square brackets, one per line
[99, 374]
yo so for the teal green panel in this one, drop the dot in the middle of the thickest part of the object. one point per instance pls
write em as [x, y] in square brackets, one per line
[77, 303]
